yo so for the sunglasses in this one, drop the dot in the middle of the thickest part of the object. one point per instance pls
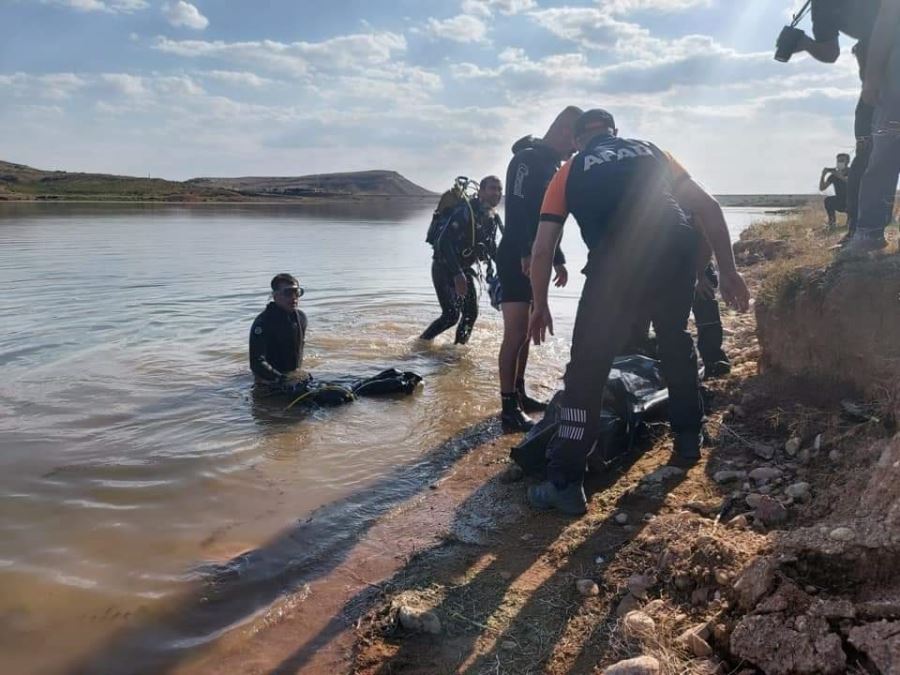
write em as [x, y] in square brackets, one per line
[291, 291]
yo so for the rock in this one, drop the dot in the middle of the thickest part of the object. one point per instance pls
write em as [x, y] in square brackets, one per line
[834, 456]
[642, 665]
[654, 606]
[648, 517]
[755, 581]
[834, 609]
[727, 476]
[622, 518]
[763, 450]
[664, 473]
[753, 500]
[799, 491]
[700, 596]
[723, 578]
[505, 575]
[638, 625]
[419, 621]
[817, 443]
[628, 604]
[587, 587]
[692, 641]
[765, 473]
[792, 447]
[512, 475]
[771, 512]
[844, 534]
[639, 584]
[721, 633]
[599, 560]
[789, 646]
[881, 643]
[738, 522]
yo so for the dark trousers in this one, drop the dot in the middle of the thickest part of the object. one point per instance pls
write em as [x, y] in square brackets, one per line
[863, 129]
[709, 322]
[651, 274]
[879, 184]
[833, 205]
[453, 310]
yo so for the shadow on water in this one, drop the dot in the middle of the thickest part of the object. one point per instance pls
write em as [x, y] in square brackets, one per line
[234, 591]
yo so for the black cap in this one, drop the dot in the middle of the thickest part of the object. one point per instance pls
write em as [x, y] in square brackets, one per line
[594, 118]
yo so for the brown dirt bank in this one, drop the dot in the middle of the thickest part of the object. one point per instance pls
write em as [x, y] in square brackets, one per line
[778, 553]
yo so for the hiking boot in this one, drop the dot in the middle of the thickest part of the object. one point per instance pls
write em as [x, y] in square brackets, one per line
[716, 369]
[515, 421]
[531, 405]
[569, 500]
[686, 448]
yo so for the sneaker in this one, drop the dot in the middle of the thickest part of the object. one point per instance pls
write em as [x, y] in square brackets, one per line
[860, 245]
[531, 405]
[515, 421]
[716, 369]
[569, 500]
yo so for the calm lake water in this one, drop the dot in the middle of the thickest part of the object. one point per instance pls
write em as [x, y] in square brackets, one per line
[132, 456]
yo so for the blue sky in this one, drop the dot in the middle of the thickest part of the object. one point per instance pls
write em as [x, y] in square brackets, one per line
[181, 89]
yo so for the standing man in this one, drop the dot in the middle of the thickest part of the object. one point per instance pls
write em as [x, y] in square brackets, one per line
[856, 19]
[836, 178]
[882, 89]
[533, 164]
[627, 196]
[468, 236]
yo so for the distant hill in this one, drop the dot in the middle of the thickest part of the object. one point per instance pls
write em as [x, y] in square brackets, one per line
[382, 183]
[20, 182]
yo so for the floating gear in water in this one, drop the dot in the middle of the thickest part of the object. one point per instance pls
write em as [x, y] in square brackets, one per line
[348, 389]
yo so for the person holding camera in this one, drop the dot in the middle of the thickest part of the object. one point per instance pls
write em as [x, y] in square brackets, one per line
[835, 177]
[855, 19]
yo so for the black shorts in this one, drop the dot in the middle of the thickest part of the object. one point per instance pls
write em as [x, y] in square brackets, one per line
[514, 286]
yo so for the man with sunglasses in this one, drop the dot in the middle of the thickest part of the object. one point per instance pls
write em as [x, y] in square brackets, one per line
[278, 335]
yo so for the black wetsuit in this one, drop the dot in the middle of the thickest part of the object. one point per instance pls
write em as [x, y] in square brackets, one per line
[277, 338]
[455, 253]
[856, 19]
[529, 172]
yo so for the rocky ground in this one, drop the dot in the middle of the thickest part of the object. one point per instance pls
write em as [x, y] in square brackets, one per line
[777, 553]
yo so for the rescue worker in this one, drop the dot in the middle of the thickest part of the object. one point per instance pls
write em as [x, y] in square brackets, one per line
[278, 335]
[627, 196]
[467, 237]
[533, 164]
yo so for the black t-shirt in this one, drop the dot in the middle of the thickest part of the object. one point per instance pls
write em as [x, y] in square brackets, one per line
[854, 18]
[840, 186]
[614, 185]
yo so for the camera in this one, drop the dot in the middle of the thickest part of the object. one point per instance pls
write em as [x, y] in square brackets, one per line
[787, 43]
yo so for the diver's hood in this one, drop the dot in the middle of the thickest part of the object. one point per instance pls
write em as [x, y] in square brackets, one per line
[525, 143]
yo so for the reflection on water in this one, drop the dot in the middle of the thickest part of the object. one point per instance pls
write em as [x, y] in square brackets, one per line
[132, 455]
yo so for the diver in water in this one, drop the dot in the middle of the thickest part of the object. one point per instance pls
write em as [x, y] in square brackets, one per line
[467, 236]
[278, 335]
[277, 338]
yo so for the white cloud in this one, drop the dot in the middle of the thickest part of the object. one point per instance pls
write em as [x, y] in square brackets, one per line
[241, 78]
[354, 52]
[628, 6]
[124, 84]
[184, 14]
[462, 28]
[113, 6]
[485, 8]
[52, 86]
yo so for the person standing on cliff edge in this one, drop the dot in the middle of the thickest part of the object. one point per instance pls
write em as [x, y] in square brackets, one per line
[881, 89]
[534, 162]
[627, 197]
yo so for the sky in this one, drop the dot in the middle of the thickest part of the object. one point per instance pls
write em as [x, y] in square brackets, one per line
[179, 89]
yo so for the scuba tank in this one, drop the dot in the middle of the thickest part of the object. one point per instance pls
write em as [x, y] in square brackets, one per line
[463, 190]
